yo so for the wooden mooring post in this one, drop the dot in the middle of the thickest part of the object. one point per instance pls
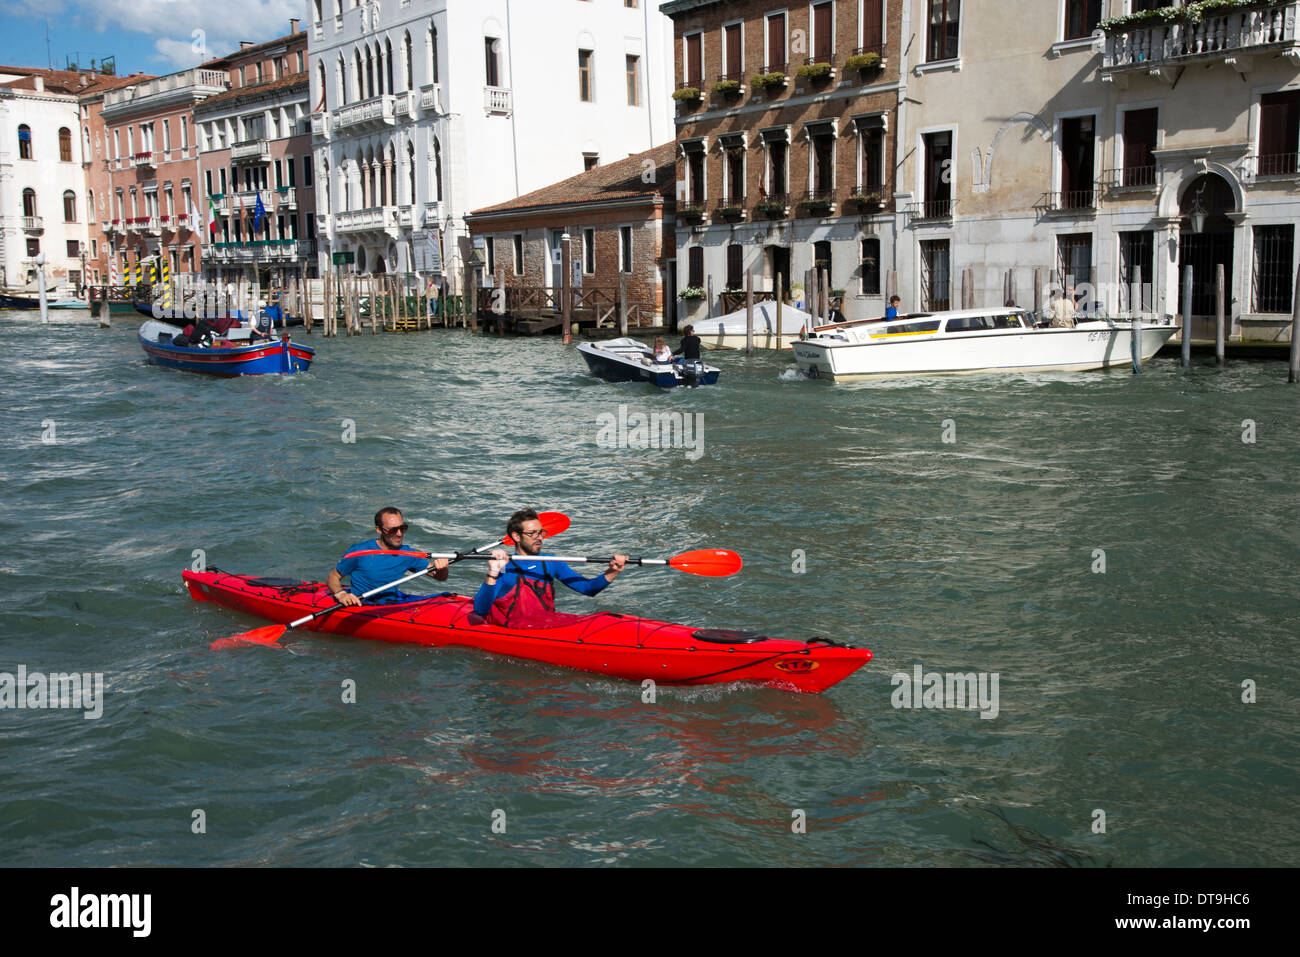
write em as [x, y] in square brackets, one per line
[749, 311]
[1293, 367]
[1187, 317]
[566, 289]
[1219, 293]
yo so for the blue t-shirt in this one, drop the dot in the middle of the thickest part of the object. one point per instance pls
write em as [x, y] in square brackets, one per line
[537, 571]
[891, 313]
[370, 571]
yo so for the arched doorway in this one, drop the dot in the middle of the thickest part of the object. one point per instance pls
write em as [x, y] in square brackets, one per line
[379, 269]
[1207, 199]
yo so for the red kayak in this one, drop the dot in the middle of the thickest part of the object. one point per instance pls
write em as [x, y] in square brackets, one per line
[621, 646]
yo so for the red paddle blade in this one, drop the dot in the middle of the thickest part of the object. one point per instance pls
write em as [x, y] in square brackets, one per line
[712, 562]
[267, 635]
[553, 522]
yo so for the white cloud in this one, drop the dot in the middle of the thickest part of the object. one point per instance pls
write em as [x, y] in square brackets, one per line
[180, 54]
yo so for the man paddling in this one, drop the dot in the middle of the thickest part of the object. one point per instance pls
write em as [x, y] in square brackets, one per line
[521, 593]
[370, 564]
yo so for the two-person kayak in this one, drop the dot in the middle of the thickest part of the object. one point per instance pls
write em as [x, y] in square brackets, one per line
[605, 643]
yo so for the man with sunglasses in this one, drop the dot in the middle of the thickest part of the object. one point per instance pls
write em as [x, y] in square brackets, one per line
[379, 561]
[520, 592]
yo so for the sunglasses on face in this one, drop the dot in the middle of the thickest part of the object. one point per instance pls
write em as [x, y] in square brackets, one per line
[537, 533]
[396, 529]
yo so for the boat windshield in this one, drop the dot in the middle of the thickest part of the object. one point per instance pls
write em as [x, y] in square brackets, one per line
[906, 328]
[976, 323]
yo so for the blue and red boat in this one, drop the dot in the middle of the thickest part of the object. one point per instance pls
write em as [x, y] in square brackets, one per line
[234, 352]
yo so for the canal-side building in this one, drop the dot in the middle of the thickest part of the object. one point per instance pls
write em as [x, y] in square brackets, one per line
[102, 267]
[153, 171]
[1108, 144]
[621, 226]
[44, 204]
[786, 130]
[427, 109]
[255, 148]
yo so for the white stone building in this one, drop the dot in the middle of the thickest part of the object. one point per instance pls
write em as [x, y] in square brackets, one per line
[42, 187]
[425, 110]
[1112, 143]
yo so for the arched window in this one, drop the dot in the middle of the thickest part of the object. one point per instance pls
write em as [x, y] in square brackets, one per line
[410, 172]
[316, 7]
[69, 207]
[341, 80]
[408, 62]
[360, 86]
[370, 74]
[65, 145]
[90, 203]
[437, 169]
[433, 54]
[320, 81]
[85, 142]
[24, 142]
[29, 202]
[388, 67]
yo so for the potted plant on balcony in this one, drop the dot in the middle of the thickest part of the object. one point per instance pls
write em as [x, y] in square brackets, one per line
[1143, 18]
[692, 293]
[816, 71]
[727, 88]
[866, 199]
[687, 95]
[766, 81]
[864, 62]
[730, 210]
[818, 203]
[771, 207]
[693, 212]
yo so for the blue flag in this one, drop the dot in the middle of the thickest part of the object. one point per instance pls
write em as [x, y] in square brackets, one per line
[259, 213]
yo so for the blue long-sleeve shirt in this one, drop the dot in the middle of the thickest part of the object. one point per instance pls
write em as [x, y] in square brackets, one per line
[537, 571]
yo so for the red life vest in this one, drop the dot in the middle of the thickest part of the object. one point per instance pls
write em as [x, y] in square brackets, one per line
[530, 604]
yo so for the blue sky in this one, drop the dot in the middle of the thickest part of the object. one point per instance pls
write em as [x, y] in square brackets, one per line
[149, 36]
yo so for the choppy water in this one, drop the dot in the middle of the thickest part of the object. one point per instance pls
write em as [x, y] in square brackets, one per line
[1119, 691]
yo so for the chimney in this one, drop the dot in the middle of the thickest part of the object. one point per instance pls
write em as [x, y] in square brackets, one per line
[293, 24]
[38, 84]
[245, 44]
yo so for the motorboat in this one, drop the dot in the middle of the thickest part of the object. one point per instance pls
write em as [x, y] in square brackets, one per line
[1004, 339]
[234, 351]
[627, 360]
[729, 331]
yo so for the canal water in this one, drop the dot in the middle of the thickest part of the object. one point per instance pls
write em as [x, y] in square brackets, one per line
[1119, 551]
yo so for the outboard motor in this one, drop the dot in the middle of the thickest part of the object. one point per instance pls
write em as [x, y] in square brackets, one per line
[692, 372]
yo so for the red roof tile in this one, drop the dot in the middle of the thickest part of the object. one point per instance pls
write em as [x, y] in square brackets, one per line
[623, 179]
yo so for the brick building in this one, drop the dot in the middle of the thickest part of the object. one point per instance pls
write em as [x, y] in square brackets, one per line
[785, 132]
[620, 219]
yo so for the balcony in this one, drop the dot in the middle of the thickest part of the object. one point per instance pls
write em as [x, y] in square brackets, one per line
[1274, 165]
[323, 223]
[817, 69]
[692, 210]
[152, 227]
[306, 248]
[498, 100]
[1231, 37]
[406, 216]
[250, 151]
[730, 84]
[1131, 177]
[221, 203]
[819, 202]
[110, 225]
[431, 98]
[145, 160]
[867, 199]
[182, 222]
[1068, 202]
[286, 197]
[932, 211]
[320, 126]
[138, 224]
[374, 219]
[368, 114]
[175, 89]
[247, 198]
[33, 224]
[731, 210]
[432, 214]
[773, 206]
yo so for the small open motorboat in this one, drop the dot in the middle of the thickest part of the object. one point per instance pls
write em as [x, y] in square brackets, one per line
[626, 360]
[234, 352]
[18, 302]
[970, 341]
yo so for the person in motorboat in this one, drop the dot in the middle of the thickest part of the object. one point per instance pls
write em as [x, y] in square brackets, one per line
[690, 347]
[892, 312]
[369, 564]
[520, 592]
[262, 324]
[1063, 310]
[662, 352]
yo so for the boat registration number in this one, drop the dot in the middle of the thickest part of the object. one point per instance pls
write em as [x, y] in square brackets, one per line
[1098, 336]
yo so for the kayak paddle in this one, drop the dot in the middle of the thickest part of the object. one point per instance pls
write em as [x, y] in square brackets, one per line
[553, 522]
[710, 562]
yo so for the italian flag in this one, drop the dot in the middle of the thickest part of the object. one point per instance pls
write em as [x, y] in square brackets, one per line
[212, 219]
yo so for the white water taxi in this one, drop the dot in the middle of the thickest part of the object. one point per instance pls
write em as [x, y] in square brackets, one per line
[970, 341]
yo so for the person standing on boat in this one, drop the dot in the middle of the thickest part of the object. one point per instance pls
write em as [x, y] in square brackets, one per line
[521, 593]
[370, 564]
[892, 312]
[690, 347]
[1063, 311]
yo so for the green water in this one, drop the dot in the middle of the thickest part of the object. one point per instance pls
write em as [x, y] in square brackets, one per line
[1118, 691]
